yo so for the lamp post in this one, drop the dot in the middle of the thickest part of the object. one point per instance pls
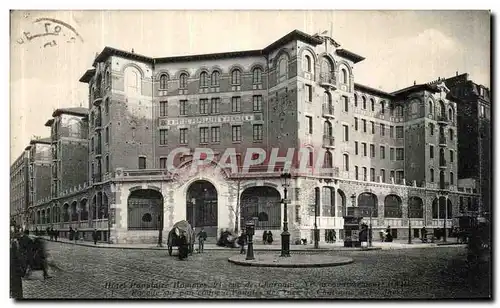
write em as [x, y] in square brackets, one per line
[409, 225]
[193, 203]
[250, 231]
[316, 240]
[370, 235]
[285, 235]
[445, 217]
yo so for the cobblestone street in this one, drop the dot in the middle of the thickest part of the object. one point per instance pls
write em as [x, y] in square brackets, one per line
[86, 272]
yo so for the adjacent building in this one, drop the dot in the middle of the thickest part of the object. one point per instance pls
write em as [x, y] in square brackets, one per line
[393, 155]
[19, 194]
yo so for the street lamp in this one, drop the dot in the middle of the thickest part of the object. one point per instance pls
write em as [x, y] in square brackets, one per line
[316, 240]
[370, 235]
[409, 225]
[445, 216]
[285, 235]
[193, 203]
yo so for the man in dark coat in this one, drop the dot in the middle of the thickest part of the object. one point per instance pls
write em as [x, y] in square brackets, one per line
[202, 237]
[56, 234]
[94, 236]
[242, 240]
[16, 270]
[183, 247]
[40, 257]
[25, 247]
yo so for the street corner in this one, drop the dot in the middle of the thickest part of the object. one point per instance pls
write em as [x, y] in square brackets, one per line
[293, 261]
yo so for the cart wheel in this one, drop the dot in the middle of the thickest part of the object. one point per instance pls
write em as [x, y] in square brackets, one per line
[169, 250]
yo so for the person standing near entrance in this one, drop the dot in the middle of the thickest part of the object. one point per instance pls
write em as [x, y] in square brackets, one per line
[202, 237]
[94, 236]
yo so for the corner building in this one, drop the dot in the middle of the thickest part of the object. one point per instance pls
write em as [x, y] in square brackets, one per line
[391, 154]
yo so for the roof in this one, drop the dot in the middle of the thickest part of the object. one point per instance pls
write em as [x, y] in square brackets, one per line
[78, 111]
[358, 86]
[49, 122]
[46, 140]
[415, 88]
[88, 75]
[109, 51]
[349, 55]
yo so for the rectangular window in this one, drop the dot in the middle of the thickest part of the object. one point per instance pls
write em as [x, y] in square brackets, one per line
[163, 162]
[399, 131]
[400, 154]
[215, 105]
[481, 110]
[452, 156]
[183, 107]
[372, 150]
[364, 149]
[163, 109]
[365, 175]
[203, 134]
[372, 174]
[391, 154]
[382, 152]
[356, 147]
[236, 104]
[346, 133]
[364, 126]
[399, 177]
[391, 131]
[236, 133]
[431, 128]
[142, 162]
[183, 136]
[373, 127]
[346, 162]
[382, 129]
[356, 172]
[432, 175]
[431, 151]
[107, 163]
[382, 175]
[257, 132]
[257, 103]
[309, 93]
[355, 123]
[309, 124]
[346, 103]
[163, 136]
[392, 175]
[310, 160]
[203, 106]
[106, 135]
[215, 134]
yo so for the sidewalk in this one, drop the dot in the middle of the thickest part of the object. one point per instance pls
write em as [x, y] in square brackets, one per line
[339, 245]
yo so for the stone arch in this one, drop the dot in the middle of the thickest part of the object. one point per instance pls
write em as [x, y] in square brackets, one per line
[163, 78]
[145, 210]
[162, 72]
[328, 160]
[307, 49]
[327, 67]
[216, 68]
[185, 166]
[392, 206]
[74, 126]
[367, 202]
[327, 98]
[308, 59]
[283, 52]
[66, 215]
[263, 203]
[180, 72]
[346, 65]
[438, 207]
[372, 103]
[135, 66]
[202, 206]
[236, 72]
[132, 78]
[200, 70]
[258, 65]
[341, 203]
[84, 210]
[415, 207]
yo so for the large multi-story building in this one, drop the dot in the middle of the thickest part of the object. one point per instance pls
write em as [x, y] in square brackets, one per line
[393, 155]
[19, 194]
[474, 143]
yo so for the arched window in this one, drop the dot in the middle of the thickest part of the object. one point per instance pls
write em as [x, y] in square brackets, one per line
[355, 100]
[399, 111]
[203, 79]
[132, 82]
[450, 114]
[215, 78]
[183, 81]
[346, 162]
[452, 179]
[431, 108]
[372, 101]
[163, 81]
[364, 102]
[236, 77]
[283, 69]
[108, 78]
[442, 107]
[382, 107]
[328, 159]
[257, 75]
[327, 129]
[327, 99]
[307, 64]
[432, 176]
[343, 76]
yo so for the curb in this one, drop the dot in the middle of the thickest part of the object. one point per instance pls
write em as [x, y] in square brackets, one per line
[304, 265]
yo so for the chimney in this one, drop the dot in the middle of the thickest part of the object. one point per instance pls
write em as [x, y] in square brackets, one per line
[132, 50]
[457, 73]
[414, 82]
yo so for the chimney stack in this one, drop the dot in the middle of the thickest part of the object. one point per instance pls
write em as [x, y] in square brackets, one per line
[457, 73]
[414, 82]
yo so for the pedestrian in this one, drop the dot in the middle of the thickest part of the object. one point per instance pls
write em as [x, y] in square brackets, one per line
[264, 237]
[388, 235]
[16, 269]
[269, 237]
[334, 236]
[56, 234]
[94, 236]
[71, 233]
[76, 235]
[183, 247]
[36, 231]
[50, 232]
[40, 257]
[25, 246]
[242, 240]
[202, 237]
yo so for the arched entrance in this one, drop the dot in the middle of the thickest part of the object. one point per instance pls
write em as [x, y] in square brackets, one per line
[416, 207]
[341, 203]
[145, 210]
[367, 202]
[201, 206]
[264, 203]
[439, 206]
[392, 207]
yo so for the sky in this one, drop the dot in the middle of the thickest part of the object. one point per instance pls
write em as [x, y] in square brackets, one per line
[400, 47]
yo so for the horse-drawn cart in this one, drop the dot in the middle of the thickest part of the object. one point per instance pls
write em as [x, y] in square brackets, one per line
[174, 236]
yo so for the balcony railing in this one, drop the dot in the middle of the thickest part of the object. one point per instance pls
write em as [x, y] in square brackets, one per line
[328, 141]
[444, 185]
[328, 110]
[442, 140]
[442, 119]
[98, 122]
[442, 162]
[327, 80]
